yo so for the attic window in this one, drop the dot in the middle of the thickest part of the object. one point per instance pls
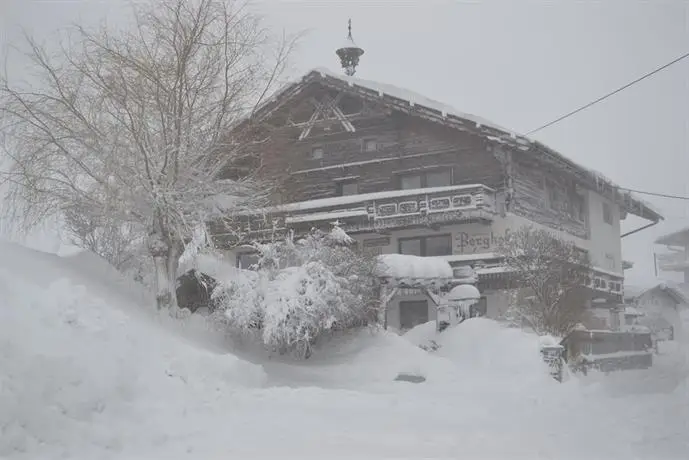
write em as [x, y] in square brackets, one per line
[370, 145]
[317, 153]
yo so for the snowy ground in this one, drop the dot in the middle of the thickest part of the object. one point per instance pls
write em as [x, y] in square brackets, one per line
[85, 372]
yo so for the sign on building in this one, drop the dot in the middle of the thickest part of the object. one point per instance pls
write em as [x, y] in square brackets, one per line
[467, 242]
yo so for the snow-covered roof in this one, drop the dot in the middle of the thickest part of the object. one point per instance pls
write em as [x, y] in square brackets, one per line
[413, 269]
[411, 97]
[676, 238]
[395, 95]
[678, 291]
[463, 292]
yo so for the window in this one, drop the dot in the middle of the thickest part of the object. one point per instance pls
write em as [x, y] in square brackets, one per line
[607, 213]
[410, 182]
[317, 153]
[247, 260]
[437, 178]
[347, 188]
[578, 207]
[413, 313]
[438, 245]
[410, 246]
[553, 195]
[426, 246]
[370, 145]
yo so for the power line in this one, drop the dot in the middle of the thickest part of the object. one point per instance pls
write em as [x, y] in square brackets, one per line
[662, 195]
[567, 115]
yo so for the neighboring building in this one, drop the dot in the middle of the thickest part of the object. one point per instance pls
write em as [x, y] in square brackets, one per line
[660, 307]
[676, 257]
[405, 174]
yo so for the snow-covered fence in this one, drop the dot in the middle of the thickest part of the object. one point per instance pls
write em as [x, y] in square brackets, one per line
[552, 353]
[608, 350]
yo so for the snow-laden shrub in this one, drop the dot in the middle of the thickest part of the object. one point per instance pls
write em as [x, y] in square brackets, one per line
[301, 291]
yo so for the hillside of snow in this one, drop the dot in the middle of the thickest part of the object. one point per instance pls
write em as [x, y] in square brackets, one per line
[87, 370]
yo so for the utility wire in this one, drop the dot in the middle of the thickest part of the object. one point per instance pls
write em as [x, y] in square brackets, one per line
[662, 195]
[567, 115]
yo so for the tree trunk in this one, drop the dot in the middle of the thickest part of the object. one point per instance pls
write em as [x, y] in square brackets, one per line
[165, 292]
[166, 256]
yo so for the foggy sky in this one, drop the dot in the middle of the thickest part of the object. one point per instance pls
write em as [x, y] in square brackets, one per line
[518, 63]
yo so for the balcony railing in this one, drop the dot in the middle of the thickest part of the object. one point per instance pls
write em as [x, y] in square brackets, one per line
[398, 207]
[374, 211]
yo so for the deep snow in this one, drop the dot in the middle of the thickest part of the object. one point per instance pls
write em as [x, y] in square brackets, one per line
[88, 372]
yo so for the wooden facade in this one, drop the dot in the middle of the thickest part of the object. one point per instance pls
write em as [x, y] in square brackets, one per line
[341, 136]
[384, 147]
[549, 197]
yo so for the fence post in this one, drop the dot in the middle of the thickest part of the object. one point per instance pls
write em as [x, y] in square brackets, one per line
[552, 355]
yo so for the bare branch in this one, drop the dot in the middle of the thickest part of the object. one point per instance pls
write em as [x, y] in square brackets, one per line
[137, 129]
[552, 275]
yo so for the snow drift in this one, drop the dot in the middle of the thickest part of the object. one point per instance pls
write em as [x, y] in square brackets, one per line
[86, 371]
[71, 360]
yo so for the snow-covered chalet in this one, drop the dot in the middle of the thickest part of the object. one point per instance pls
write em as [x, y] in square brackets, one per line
[404, 174]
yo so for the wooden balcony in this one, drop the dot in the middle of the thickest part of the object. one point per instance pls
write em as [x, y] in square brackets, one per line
[376, 212]
[397, 208]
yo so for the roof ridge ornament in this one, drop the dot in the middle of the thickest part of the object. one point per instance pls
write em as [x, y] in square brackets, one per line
[350, 53]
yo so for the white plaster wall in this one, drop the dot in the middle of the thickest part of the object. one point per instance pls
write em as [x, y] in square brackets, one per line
[605, 244]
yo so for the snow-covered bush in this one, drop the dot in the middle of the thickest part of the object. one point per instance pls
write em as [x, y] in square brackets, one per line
[301, 291]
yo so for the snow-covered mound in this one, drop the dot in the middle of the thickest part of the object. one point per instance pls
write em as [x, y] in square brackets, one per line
[88, 371]
[365, 359]
[74, 356]
[489, 352]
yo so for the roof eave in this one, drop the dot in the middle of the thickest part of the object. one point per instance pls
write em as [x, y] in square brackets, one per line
[674, 238]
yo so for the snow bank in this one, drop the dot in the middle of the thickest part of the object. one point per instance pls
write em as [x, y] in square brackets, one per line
[486, 353]
[86, 375]
[493, 353]
[75, 360]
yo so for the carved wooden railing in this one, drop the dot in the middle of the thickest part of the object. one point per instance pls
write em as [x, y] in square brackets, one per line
[399, 208]
[375, 211]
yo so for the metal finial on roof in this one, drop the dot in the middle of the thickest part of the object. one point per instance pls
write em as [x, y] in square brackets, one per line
[350, 53]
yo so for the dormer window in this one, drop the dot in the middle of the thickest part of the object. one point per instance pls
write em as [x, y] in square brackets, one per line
[317, 153]
[370, 145]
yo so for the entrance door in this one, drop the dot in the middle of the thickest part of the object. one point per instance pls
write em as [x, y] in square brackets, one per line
[413, 313]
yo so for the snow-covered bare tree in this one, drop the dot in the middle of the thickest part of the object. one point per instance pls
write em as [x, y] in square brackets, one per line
[550, 275]
[147, 129]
